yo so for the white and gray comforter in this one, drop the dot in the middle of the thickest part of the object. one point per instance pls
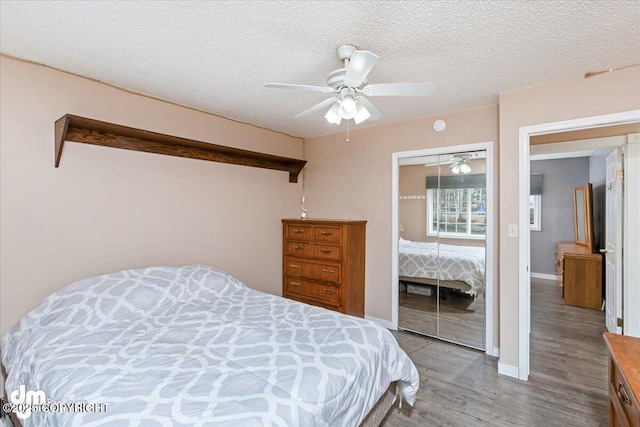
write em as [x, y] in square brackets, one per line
[193, 346]
[430, 260]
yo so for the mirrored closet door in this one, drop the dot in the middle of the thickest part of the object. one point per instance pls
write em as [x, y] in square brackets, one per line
[441, 266]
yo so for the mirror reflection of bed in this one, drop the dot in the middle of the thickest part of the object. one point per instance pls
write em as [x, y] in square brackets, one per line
[441, 263]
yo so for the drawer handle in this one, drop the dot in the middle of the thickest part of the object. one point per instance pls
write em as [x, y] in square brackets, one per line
[329, 291]
[326, 251]
[297, 248]
[298, 231]
[294, 266]
[622, 395]
[324, 270]
[294, 284]
[326, 233]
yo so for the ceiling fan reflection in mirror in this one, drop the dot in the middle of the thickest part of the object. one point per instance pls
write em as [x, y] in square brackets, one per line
[350, 88]
[458, 162]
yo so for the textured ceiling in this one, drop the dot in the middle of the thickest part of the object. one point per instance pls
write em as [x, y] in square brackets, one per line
[216, 56]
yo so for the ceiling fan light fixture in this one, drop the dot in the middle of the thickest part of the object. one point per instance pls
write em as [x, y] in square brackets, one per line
[455, 168]
[465, 168]
[333, 115]
[347, 109]
[362, 113]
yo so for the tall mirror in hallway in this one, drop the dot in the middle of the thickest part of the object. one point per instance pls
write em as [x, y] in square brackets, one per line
[441, 265]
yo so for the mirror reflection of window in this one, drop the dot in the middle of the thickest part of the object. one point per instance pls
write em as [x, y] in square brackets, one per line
[535, 212]
[457, 212]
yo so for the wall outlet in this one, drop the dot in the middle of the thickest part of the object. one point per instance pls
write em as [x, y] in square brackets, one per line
[513, 230]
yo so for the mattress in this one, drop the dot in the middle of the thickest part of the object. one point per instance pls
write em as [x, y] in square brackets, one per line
[193, 346]
[430, 260]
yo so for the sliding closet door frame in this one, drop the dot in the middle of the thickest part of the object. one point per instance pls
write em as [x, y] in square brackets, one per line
[490, 304]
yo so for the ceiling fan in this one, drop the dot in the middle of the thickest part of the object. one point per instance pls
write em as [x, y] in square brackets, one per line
[460, 164]
[457, 163]
[350, 88]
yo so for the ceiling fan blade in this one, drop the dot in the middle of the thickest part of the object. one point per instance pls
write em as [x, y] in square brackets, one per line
[302, 87]
[375, 113]
[360, 65]
[399, 89]
[324, 104]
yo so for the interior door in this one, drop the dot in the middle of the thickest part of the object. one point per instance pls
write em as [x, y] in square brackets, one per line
[613, 242]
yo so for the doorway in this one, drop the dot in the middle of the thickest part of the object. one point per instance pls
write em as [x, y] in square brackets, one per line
[631, 230]
[566, 291]
[434, 291]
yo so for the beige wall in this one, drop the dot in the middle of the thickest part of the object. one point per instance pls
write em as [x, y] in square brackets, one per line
[603, 94]
[353, 180]
[412, 213]
[106, 209]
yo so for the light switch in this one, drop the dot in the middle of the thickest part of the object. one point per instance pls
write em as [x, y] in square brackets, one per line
[513, 230]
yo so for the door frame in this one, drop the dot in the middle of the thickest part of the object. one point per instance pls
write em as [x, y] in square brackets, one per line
[490, 318]
[631, 232]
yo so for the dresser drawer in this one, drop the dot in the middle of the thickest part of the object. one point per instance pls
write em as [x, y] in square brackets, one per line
[322, 291]
[298, 232]
[311, 270]
[298, 249]
[321, 251]
[622, 398]
[327, 234]
[316, 290]
[310, 301]
[294, 285]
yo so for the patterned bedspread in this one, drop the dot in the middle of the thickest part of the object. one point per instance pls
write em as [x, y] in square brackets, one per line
[193, 346]
[425, 259]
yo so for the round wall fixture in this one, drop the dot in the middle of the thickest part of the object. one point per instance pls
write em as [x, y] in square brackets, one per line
[439, 125]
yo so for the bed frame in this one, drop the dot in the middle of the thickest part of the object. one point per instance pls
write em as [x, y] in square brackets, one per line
[373, 419]
[381, 408]
[450, 284]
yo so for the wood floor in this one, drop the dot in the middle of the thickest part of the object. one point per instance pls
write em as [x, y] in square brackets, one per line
[567, 385]
[459, 318]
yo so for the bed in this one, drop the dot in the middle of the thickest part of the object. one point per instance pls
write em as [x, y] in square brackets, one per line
[193, 346]
[460, 267]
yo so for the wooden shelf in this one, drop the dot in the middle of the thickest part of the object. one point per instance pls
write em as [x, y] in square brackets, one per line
[88, 131]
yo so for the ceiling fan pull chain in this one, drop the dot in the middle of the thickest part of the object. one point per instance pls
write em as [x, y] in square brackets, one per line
[347, 140]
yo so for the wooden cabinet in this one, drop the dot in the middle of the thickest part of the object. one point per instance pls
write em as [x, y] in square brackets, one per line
[581, 275]
[624, 380]
[323, 263]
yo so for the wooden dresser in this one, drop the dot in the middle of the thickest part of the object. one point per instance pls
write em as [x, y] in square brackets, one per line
[624, 380]
[323, 263]
[581, 274]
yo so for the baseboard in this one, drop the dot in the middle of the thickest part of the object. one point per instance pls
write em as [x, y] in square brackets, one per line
[508, 370]
[544, 276]
[493, 351]
[387, 324]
